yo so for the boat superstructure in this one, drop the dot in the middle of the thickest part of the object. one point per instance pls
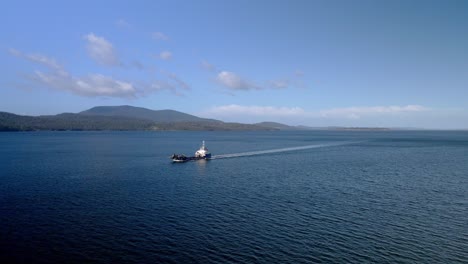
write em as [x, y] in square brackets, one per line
[203, 152]
[200, 154]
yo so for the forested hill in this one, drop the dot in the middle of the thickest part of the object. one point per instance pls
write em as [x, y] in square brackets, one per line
[12, 122]
[118, 118]
[160, 116]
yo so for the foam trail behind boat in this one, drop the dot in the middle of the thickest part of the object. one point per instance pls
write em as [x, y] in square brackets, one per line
[252, 153]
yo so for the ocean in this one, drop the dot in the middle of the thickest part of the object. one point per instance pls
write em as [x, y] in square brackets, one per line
[266, 197]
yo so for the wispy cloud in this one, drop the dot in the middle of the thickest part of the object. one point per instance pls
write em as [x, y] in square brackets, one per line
[280, 84]
[299, 73]
[171, 83]
[235, 82]
[138, 65]
[96, 85]
[90, 85]
[235, 110]
[178, 81]
[162, 85]
[165, 55]
[123, 24]
[101, 50]
[265, 111]
[37, 58]
[159, 36]
[291, 80]
[208, 66]
[357, 112]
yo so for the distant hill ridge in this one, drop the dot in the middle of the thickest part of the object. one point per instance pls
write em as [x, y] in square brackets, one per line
[127, 117]
[276, 125]
[123, 117]
[160, 116]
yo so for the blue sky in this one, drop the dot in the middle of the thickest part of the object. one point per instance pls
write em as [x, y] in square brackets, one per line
[317, 63]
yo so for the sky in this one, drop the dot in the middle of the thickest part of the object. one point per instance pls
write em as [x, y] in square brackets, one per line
[315, 63]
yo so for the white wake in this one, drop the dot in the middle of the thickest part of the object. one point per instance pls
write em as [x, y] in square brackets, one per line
[252, 153]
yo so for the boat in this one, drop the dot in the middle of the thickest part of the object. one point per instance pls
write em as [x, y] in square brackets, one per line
[201, 154]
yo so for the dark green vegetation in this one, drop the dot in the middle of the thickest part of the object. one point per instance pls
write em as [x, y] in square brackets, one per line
[127, 117]
[159, 116]
[12, 122]
[118, 118]
[275, 125]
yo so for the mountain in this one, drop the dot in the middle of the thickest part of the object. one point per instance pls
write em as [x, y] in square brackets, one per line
[359, 128]
[119, 118]
[159, 116]
[12, 122]
[275, 125]
[127, 117]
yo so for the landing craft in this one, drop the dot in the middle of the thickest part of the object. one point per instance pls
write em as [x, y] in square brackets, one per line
[201, 154]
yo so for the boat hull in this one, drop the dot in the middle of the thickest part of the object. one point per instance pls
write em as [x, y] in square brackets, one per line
[190, 159]
[201, 154]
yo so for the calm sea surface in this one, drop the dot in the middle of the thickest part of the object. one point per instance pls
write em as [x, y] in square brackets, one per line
[268, 197]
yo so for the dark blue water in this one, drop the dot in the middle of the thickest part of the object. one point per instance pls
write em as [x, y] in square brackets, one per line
[336, 197]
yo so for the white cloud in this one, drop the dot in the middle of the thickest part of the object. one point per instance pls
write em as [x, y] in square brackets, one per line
[122, 23]
[351, 113]
[37, 58]
[266, 111]
[208, 66]
[90, 85]
[357, 112]
[51, 63]
[280, 84]
[234, 81]
[415, 116]
[96, 84]
[170, 82]
[159, 36]
[179, 82]
[15, 52]
[294, 80]
[162, 85]
[101, 50]
[165, 55]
